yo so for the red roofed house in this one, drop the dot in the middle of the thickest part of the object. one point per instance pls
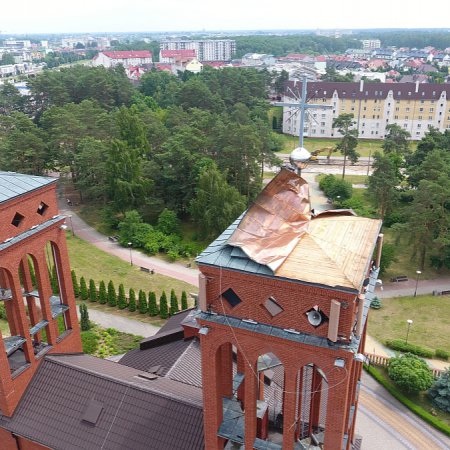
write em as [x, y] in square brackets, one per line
[126, 58]
[177, 56]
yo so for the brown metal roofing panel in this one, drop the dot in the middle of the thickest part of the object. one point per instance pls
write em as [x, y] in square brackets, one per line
[273, 225]
[133, 418]
[335, 251]
[164, 355]
[174, 322]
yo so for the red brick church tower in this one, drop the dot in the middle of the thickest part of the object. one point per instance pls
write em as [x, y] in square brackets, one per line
[284, 297]
[41, 315]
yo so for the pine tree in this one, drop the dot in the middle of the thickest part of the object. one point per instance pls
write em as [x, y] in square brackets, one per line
[112, 295]
[84, 294]
[440, 391]
[173, 303]
[152, 305]
[121, 299]
[102, 295]
[76, 286]
[85, 325]
[184, 302]
[92, 291]
[375, 303]
[163, 309]
[132, 300]
[142, 302]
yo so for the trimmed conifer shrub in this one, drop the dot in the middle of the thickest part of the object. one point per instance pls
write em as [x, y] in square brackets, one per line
[102, 295]
[163, 308]
[92, 291]
[184, 302]
[121, 298]
[142, 302]
[152, 305]
[132, 300]
[112, 295]
[85, 324]
[173, 303]
[76, 286]
[84, 294]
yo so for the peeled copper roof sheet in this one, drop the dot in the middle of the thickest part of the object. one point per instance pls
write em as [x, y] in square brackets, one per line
[274, 224]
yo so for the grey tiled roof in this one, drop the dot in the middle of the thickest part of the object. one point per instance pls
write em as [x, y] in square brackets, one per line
[137, 414]
[220, 254]
[14, 184]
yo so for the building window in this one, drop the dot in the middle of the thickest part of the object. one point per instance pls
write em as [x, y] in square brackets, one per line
[420, 118]
[419, 125]
[231, 297]
[17, 219]
[42, 208]
[405, 125]
[322, 131]
[431, 109]
[272, 307]
[407, 109]
[420, 109]
[397, 109]
[430, 117]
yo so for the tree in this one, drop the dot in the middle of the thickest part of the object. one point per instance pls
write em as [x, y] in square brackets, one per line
[112, 295]
[152, 305]
[163, 308]
[85, 324]
[131, 300]
[11, 100]
[84, 293]
[102, 294]
[332, 75]
[388, 256]
[184, 302]
[168, 222]
[92, 291]
[121, 298]
[173, 303]
[142, 302]
[410, 373]
[76, 286]
[347, 145]
[396, 140]
[337, 190]
[440, 391]
[7, 59]
[216, 203]
[382, 187]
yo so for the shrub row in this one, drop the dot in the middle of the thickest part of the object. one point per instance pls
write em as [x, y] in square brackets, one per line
[140, 302]
[416, 409]
[401, 346]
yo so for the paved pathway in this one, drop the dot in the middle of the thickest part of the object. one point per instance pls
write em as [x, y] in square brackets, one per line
[386, 424]
[124, 324]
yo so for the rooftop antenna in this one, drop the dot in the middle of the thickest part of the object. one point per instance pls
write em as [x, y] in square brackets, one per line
[300, 156]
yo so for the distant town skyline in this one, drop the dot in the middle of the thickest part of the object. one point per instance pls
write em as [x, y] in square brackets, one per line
[49, 16]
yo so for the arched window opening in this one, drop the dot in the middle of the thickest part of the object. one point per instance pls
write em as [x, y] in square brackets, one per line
[36, 321]
[269, 404]
[13, 338]
[58, 303]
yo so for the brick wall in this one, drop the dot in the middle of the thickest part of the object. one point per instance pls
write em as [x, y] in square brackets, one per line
[295, 298]
[27, 206]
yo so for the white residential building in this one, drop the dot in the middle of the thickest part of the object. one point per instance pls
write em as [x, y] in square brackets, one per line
[371, 43]
[129, 58]
[206, 50]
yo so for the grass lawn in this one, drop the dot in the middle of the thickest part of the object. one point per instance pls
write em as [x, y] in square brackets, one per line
[430, 316]
[4, 328]
[365, 146]
[90, 262]
[90, 214]
[356, 179]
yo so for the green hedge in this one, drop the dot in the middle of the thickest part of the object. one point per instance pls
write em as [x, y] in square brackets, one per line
[401, 346]
[442, 354]
[416, 409]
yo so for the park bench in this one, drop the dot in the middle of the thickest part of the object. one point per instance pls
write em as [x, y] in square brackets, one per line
[146, 270]
[113, 238]
[399, 278]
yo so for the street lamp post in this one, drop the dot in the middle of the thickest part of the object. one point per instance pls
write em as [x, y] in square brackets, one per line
[418, 272]
[71, 224]
[409, 322]
[131, 255]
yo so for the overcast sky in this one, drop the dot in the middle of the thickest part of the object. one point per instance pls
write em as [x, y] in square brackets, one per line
[52, 16]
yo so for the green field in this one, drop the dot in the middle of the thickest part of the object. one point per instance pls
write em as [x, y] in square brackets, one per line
[90, 262]
[430, 316]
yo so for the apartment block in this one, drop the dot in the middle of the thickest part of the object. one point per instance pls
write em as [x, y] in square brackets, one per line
[414, 106]
[206, 50]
